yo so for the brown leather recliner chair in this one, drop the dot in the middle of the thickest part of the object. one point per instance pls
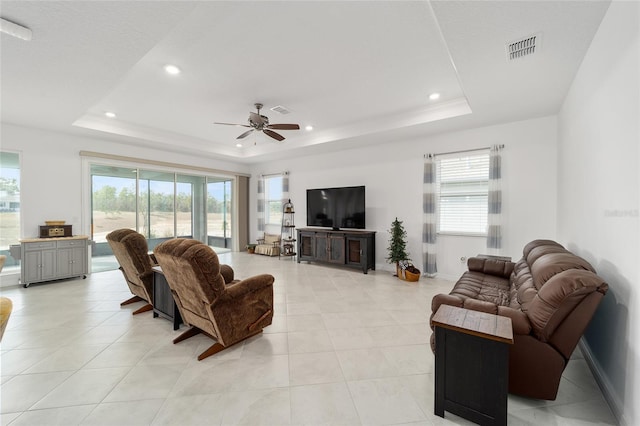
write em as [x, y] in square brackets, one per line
[550, 295]
[208, 298]
[132, 252]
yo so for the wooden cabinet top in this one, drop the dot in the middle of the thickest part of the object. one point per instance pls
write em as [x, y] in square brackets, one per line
[481, 324]
[40, 240]
[341, 231]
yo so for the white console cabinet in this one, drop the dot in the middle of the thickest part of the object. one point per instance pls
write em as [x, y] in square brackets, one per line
[46, 259]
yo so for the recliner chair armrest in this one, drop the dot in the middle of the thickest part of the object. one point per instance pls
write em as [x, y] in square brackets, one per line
[145, 275]
[496, 267]
[255, 283]
[227, 273]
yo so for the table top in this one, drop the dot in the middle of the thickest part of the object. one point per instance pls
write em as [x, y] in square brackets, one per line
[481, 324]
[39, 240]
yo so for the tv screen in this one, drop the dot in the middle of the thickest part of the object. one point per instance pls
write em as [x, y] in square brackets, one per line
[336, 207]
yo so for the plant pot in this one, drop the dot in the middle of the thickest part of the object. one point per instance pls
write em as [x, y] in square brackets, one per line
[406, 275]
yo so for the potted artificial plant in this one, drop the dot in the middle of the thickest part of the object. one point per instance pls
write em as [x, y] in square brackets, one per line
[398, 253]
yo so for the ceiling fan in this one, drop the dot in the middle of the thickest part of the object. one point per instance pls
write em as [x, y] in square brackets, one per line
[261, 123]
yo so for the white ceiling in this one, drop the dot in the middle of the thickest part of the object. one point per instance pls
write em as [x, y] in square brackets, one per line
[359, 72]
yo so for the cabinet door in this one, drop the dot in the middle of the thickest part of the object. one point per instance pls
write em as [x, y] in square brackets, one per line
[336, 249]
[48, 265]
[305, 247]
[355, 252]
[321, 252]
[71, 262]
[64, 262]
[79, 261]
[31, 266]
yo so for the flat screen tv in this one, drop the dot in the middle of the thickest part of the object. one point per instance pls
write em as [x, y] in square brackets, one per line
[336, 207]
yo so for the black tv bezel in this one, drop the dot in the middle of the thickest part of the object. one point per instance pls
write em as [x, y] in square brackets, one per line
[335, 228]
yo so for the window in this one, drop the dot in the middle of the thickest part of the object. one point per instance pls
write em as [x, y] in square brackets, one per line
[219, 210]
[273, 200]
[463, 185]
[9, 200]
[160, 205]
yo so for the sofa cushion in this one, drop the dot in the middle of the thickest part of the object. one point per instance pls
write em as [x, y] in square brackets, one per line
[480, 286]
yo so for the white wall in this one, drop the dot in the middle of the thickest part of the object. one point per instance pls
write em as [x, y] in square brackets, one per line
[51, 175]
[392, 174]
[598, 197]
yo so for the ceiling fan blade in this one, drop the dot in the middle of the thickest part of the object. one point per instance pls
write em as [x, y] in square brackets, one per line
[284, 126]
[273, 135]
[256, 118]
[234, 124]
[245, 134]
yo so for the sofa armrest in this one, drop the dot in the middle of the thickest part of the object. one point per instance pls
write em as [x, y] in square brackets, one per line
[519, 320]
[491, 266]
[480, 306]
[445, 299]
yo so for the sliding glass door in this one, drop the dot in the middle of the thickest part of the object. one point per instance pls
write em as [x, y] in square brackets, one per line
[160, 205]
[219, 212]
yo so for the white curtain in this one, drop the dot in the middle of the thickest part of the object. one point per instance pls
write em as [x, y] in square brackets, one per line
[494, 217]
[285, 187]
[429, 266]
[260, 204]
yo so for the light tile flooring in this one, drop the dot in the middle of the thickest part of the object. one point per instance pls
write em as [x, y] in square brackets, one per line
[344, 348]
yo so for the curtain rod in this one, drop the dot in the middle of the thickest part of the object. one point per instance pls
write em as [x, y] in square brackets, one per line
[160, 163]
[274, 174]
[463, 151]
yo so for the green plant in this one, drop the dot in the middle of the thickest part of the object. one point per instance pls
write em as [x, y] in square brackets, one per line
[397, 243]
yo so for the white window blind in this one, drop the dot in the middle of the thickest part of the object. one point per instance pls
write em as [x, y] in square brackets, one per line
[273, 200]
[463, 185]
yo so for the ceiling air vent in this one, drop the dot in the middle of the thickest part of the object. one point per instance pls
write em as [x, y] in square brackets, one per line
[524, 47]
[282, 110]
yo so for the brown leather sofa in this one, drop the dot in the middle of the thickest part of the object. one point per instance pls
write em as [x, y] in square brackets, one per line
[550, 295]
[208, 297]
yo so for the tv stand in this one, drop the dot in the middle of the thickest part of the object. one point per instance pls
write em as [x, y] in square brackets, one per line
[340, 247]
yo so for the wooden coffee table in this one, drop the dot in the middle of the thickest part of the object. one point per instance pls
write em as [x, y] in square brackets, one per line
[472, 364]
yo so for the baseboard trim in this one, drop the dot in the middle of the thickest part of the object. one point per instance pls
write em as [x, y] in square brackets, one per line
[616, 405]
[10, 279]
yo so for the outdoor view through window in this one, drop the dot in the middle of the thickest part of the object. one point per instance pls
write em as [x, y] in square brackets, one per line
[160, 205]
[9, 201]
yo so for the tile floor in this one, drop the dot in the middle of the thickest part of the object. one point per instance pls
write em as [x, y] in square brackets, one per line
[344, 348]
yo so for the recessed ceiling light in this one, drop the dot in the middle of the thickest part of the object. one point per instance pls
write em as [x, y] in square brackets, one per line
[110, 114]
[172, 69]
[239, 145]
[434, 96]
[308, 128]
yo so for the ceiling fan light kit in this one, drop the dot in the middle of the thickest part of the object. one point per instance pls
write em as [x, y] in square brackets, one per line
[260, 123]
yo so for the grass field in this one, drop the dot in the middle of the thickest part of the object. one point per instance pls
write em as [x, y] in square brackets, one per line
[161, 224]
[103, 223]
